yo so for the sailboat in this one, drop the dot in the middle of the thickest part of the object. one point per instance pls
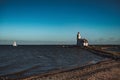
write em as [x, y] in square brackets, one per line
[14, 43]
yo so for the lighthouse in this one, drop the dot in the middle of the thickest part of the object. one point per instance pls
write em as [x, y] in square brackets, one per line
[81, 42]
[78, 36]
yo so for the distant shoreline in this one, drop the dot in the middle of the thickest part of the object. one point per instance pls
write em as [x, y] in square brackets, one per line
[60, 44]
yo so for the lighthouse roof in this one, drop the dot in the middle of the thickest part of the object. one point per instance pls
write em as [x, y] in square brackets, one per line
[83, 40]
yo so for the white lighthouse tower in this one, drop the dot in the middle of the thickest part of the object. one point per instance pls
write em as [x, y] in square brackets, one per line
[81, 42]
[78, 36]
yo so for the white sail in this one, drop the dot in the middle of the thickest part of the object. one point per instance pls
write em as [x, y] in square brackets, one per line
[14, 43]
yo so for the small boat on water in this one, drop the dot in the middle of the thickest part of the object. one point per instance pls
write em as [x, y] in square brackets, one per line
[14, 43]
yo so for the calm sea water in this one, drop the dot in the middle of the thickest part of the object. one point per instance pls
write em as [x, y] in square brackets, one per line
[30, 60]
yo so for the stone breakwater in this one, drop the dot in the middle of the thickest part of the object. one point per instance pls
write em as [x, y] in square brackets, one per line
[104, 53]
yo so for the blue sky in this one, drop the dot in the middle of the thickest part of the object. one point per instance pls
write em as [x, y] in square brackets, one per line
[58, 21]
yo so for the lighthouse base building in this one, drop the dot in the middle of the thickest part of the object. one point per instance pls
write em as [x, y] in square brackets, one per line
[81, 42]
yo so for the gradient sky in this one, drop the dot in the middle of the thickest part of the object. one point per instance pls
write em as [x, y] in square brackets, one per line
[58, 21]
